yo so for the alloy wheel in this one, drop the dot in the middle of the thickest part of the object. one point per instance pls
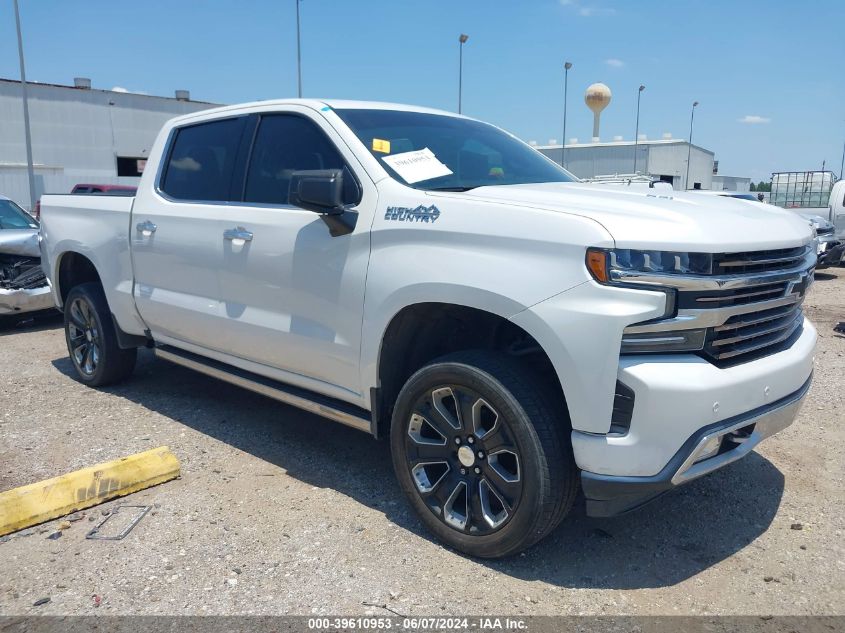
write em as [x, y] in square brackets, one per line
[463, 460]
[84, 337]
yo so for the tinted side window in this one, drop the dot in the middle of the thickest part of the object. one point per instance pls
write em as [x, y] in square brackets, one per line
[284, 144]
[202, 159]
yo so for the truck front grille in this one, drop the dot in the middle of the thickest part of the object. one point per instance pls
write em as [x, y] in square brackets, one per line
[770, 315]
[750, 306]
[753, 332]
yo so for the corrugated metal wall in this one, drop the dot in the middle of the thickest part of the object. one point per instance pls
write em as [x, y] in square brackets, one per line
[76, 135]
[670, 159]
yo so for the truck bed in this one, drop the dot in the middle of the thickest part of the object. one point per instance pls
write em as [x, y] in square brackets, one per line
[96, 228]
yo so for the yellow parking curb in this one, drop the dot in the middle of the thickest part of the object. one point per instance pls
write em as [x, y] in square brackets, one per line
[35, 503]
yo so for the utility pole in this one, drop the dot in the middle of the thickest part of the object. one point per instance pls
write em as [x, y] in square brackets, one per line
[29, 168]
[298, 53]
[462, 39]
[637, 128]
[689, 146]
[566, 67]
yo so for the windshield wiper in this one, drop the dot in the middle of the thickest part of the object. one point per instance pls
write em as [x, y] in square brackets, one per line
[451, 188]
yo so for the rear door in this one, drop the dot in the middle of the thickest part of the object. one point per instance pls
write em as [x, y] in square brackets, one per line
[292, 293]
[177, 239]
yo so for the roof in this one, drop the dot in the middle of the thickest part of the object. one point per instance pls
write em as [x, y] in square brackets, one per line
[662, 141]
[314, 104]
[36, 84]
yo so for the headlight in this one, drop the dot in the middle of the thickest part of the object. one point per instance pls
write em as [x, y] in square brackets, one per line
[601, 263]
[621, 266]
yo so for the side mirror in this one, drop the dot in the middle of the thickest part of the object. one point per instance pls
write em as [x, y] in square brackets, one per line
[318, 190]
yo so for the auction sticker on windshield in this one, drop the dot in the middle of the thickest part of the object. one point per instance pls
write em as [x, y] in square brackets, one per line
[418, 165]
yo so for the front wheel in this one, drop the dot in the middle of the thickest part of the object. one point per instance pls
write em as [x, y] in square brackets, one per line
[91, 338]
[482, 455]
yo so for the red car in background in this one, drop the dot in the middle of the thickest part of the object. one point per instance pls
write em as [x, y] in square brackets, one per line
[113, 190]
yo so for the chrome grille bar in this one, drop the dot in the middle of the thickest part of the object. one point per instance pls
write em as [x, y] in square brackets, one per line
[744, 295]
[755, 318]
[747, 332]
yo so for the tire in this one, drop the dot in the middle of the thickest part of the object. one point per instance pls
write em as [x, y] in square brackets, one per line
[481, 412]
[91, 339]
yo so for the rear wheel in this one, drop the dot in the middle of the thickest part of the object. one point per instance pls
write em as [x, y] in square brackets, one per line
[91, 338]
[483, 456]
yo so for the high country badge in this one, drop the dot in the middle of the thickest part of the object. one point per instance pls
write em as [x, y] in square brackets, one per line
[406, 214]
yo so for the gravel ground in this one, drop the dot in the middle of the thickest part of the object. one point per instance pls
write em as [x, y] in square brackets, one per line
[281, 512]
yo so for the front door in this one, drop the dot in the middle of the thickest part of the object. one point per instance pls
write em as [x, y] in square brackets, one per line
[292, 294]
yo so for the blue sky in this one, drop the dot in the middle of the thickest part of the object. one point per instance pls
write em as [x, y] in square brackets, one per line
[768, 74]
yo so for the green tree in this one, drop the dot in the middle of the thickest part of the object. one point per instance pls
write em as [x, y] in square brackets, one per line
[753, 187]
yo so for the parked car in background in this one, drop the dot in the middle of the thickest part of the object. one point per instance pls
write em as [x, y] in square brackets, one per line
[103, 190]
[114, 190]
[738, 195]
[830, 247]
[425, 276]
[23, 285]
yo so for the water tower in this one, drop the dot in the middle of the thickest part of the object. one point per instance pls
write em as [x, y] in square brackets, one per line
[597, 97]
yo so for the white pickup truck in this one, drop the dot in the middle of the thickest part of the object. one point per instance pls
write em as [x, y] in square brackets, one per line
[428, 277]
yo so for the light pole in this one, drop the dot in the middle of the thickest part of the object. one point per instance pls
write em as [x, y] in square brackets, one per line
[462, 39]
[637, 128]
[29, 169]
[298, 53]
[566, 67]
[689, 146]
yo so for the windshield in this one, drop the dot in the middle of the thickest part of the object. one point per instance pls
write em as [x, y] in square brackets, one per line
[446, 153]
[13, 217]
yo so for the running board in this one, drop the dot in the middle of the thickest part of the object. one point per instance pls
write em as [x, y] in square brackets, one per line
[336, 410]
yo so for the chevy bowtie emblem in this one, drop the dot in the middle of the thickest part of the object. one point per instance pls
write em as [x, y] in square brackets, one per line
[798, 287]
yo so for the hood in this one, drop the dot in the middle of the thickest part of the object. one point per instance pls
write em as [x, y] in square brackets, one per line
[663, 219]
[23, 242]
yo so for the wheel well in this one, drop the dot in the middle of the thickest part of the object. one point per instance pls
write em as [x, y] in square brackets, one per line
[425, 331]
[75, 269]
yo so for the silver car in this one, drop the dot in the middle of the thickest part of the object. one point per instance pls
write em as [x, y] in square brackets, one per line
[23, 286]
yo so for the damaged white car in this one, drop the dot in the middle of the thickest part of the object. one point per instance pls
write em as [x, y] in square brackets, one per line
[23, 286]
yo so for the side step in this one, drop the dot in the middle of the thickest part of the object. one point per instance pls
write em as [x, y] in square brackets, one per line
[336, 410]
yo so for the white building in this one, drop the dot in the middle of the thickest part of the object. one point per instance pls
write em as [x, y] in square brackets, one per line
[79, 135]
[730, 183]
[664, 159]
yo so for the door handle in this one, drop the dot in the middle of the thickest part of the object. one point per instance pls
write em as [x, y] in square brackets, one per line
[146, 228]
[239, 233]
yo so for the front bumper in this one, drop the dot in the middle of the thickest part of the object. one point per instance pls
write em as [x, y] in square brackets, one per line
[609, 495]
[26, 300]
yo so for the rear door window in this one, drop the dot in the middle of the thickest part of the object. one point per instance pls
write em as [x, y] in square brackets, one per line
[202, 161]
[284, 144]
